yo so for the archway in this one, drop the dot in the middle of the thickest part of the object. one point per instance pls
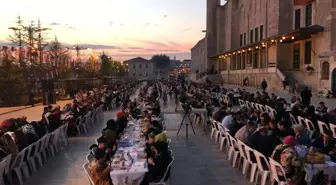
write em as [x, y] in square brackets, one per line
[333, 79]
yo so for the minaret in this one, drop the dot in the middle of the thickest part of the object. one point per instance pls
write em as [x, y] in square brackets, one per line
[211, 30]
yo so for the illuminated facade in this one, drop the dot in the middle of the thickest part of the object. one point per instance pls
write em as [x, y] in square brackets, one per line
[273, 40]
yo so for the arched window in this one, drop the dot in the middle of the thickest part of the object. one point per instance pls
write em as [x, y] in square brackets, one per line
[325, 71]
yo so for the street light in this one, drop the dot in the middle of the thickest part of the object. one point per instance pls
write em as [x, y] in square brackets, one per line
[77, 48]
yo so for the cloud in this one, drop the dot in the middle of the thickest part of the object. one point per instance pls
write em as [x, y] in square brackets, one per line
[149, 42]
[55, 24]
[6, 43]
[100, 46]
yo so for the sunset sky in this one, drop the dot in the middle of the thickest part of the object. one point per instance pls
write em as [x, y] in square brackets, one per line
[122, 28]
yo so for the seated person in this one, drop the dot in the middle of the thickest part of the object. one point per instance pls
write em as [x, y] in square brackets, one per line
[158, 164]
[286, 155]
[284, 130]
[302, 137]
[99, 170]
[111, 138]
[326, 143]
[244, 133]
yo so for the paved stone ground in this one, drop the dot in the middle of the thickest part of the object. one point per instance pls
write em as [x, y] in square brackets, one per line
[32, 113]
[330, 103]
[197, 160]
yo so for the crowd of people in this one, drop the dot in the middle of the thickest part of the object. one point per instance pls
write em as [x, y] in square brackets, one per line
[17, 134]
[274, 137]
[146, 108]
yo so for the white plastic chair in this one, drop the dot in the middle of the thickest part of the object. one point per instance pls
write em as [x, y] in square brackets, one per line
[275, 169]
[19, 164]
[86, 169]
[4, 168]
[293, 120]
[249, 152]
[90, 157]
[309, 125]
[233, 151]
[32, 156]
[53, 146]
[218, 133]
[241, 102]
[168, 141]
[322, 126]
[333, 129]
[78, 122]
[213, 128]
[223, 137]
[248, 104]
[243, 157]
[165, 179]
[45, 147]
[263, 171]
[301, 121]
[171, 152]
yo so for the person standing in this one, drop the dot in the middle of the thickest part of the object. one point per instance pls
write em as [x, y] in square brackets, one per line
[31, 99]
[306, 96]
[264, 85]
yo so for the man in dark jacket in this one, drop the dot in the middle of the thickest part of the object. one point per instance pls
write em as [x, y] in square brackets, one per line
[264, 85]
[306, 96]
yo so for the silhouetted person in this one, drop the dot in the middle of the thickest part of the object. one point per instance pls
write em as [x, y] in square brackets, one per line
[264, 85]
[306, 96]
[31, 99]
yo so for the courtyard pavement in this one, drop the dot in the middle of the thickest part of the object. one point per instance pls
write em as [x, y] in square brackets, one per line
[198, 160]
[32, 113]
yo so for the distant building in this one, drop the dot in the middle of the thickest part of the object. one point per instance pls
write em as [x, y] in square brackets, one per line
[140, 68]
[199, 57]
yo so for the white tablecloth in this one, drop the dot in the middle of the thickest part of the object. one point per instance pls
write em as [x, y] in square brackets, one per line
[329, 169]
[133, 176]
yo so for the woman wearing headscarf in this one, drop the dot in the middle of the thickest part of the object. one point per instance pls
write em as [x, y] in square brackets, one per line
[158, 164]
[286, 155]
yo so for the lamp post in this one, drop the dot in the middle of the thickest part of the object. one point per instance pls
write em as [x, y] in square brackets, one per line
[77, 48]
[39, 42]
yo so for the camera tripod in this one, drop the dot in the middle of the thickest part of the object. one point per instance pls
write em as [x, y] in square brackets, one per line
[186, 114]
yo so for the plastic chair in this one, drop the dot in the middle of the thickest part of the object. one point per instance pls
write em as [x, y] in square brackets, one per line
[86, 169]
[241, 102]
[263, 171]
[90, 157]
[293, 120]
[78, 122]
[4, 168]
[32, 156]
[168, 141]
[223, 137]
[165, 179]
[213, 128]
[249, 152]
[171, 152]
[54, 142]
[248, 104]
[301, 121]
[233, 152]
[218, 133]
[45, 146]
[275, 169]
[333, 129]
[19, 164]
[322, 126]
[243, 157]
[309, 125]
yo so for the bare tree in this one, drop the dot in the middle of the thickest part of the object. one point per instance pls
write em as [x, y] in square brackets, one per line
[59, 55]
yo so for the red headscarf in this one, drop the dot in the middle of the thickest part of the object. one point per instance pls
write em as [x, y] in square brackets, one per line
[119, 114]
[289, 140]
